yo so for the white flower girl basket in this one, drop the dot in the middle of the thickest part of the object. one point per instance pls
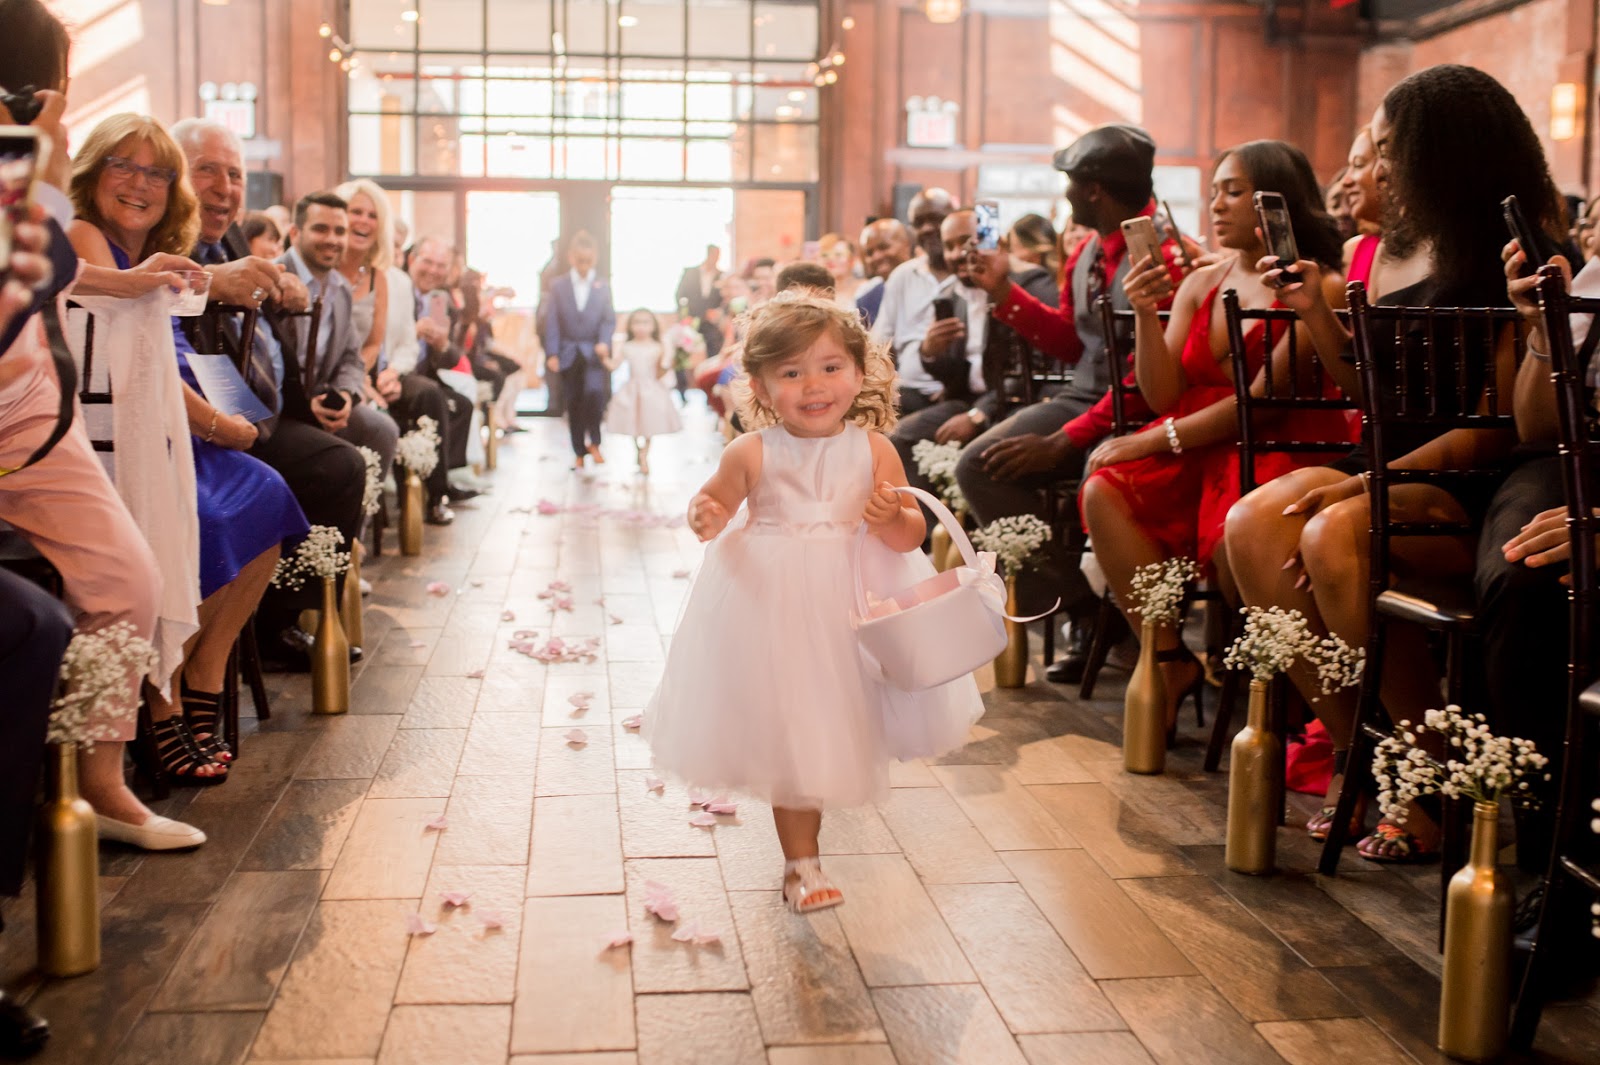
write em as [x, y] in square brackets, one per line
[940, 628]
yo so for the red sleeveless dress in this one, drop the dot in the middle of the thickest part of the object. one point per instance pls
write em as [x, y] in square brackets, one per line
[1180, 500]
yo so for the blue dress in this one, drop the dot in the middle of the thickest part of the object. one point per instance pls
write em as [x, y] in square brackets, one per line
[244, 505]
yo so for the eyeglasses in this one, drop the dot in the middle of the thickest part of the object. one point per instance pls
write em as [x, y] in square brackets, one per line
[160, 177]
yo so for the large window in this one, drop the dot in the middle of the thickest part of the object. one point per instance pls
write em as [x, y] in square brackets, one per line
[716, 91]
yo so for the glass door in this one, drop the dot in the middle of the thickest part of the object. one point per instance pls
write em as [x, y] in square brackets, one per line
[510, 239]
[659, 231]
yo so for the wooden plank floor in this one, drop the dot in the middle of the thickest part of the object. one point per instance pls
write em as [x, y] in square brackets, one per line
[1021, 901]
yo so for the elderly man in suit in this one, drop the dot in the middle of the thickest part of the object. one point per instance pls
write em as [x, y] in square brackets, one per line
[326, 474]
[578, 342]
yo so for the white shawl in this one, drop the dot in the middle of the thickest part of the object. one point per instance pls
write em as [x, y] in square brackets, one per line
[153, 464]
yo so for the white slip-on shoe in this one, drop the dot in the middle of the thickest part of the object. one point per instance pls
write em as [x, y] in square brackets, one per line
[156, 834]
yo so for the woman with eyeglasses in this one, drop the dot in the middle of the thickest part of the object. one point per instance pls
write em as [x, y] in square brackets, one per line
[131, 192]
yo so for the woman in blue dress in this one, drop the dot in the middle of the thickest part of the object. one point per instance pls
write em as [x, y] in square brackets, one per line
[131, 193]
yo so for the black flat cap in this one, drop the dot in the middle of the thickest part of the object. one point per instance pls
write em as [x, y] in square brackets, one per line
[1112, 152]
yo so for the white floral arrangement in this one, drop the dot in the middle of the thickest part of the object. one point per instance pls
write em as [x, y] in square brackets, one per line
[99, 683]
[937, 462]
[1477, 764]
[372, 494]
[1274, 639]
[418, 450]
[317, 558]
[1014, 540]
[1159, 588]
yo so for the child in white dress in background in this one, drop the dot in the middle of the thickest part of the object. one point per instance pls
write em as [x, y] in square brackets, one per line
[643, 407]
[765, 690]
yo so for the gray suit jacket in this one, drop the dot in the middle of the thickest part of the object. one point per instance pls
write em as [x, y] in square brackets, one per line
[340, 366]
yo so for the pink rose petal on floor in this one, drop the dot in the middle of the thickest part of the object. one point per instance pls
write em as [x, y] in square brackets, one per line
[600, 600]
[547, 594]
[698, 797]
[722, 806]
[418, 643]
[680, 574]
[416, 926]
[525, 634]
[692, 932]
[560, 586]
[703, 820]
[581, 700]
[632, 722]
[438, 588]
[614, 619]
[547, 507]
[658, 900]
[563, 602]
[476, 582]
[438, 824]
[507, 615]
[453, 899]
[655, 784]
[492, 920]
[476, 674]
[618, 939]
[576, 737]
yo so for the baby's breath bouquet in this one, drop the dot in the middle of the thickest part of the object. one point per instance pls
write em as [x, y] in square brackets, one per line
[1274, 639]
[99, 682]
[1014, 540]
[372, 494]
[1477, 764]
[418, 450]
[317, 558]
[937, 462]
[1159, 588]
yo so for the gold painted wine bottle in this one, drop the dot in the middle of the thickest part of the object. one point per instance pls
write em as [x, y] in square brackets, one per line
[1144, 715]
[491, 440]
[1475, 991]
[1252, 788]
[1011, 666]
[350, 600]
[68, 871]
[330, 658]
[411, 515]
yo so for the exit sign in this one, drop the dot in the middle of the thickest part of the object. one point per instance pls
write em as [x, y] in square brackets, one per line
[238, 115]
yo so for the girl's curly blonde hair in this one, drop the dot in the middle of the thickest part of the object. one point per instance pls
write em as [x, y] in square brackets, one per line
[790, 323]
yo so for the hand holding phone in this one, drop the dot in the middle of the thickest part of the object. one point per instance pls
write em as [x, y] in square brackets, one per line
[943, 307]
[19, 156]
[1143, 241]
[1277, 232]
[987, 213]
[1527, 238]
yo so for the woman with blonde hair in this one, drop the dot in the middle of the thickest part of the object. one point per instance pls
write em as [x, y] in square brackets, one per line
[839, 256]
[367, 258]
[131, 193]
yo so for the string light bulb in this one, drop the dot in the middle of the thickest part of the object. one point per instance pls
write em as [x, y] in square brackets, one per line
[848, 22]
[409, 15]
[324, 31]
[334, 55]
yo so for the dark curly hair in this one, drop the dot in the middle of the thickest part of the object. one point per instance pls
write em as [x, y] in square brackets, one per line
[1277, 166]
[1458, 144]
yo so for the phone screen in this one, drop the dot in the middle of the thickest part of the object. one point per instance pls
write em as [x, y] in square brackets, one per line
[988, 216]
[438, 309]
[1277, 231]
[19, 156]
[1527, 239]
[943, 307]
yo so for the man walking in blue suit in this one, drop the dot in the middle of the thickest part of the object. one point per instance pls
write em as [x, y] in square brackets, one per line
[577, 339]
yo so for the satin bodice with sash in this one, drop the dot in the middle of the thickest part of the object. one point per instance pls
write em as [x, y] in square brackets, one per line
[811, 486]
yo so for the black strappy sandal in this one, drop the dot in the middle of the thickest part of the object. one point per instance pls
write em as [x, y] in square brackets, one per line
[203, 713]
[1195, 689]
[180, 755]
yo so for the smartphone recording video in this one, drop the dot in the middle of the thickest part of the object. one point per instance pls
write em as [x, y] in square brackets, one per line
[19, 157]
[1143, 240]
[1278, 233]
[1527, 238]
[988, 216]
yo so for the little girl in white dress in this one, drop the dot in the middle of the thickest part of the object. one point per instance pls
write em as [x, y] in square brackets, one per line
[765, 690]
[643, 407]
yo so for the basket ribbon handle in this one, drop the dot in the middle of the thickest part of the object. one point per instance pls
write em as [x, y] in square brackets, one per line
[982, 563]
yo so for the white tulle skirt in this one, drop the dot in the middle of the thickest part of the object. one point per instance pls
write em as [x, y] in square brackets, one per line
[765, 691]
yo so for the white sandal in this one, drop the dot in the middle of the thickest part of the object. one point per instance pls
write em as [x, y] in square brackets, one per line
[812, 891]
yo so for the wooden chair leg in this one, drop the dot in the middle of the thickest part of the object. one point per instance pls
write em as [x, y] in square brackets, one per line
[1221, 724]
[250, 666]
[230, 703]
[1454, 827]
[1278, 705]
[1099, 648]
[1358, 770]
[146, 759]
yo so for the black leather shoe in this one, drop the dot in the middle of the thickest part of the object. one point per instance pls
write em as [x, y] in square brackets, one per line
[1068, 669]
[291, 652]
[22, 1031]
[439, 514]
[461, 495]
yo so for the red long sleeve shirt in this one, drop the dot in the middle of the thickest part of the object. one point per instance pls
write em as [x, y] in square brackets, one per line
[1053, 330]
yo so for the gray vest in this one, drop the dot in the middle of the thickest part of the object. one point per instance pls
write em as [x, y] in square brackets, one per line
[1090, 378]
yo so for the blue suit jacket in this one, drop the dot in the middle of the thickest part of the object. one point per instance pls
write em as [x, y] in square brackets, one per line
[570, 334]
[869, 305]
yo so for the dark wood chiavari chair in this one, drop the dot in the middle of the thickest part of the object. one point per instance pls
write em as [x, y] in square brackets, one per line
[1423, 369]
[1299, 385]
[1573, 870]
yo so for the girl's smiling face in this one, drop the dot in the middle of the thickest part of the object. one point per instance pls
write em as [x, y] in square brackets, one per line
[813, 391]
[642, 325]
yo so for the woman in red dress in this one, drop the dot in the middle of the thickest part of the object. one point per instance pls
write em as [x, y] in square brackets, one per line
[1163, 492]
